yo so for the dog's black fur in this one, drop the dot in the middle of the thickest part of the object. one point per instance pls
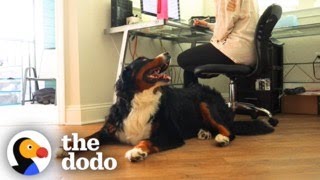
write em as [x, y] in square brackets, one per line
[179, 113]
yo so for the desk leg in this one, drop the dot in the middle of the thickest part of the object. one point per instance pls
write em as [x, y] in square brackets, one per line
[122, 58]
[193, 44]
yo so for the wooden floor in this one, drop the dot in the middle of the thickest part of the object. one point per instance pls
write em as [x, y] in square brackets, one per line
[292, 151]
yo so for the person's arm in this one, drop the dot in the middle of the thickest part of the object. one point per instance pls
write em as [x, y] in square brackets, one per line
[203, 23]
[211, 26]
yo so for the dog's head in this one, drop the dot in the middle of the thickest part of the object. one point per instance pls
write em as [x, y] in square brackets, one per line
[144, 73]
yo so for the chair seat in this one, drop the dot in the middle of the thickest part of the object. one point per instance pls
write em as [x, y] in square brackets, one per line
[212, 70]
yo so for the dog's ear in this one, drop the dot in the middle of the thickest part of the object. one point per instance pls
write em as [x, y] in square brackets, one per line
[126, 74]
[125, 81]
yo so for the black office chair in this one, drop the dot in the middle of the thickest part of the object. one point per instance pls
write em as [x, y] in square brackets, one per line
[263, 32]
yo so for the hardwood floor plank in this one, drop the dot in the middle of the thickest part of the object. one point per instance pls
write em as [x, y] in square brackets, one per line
[291, 152]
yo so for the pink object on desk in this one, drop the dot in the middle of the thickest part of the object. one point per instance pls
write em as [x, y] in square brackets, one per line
[162, 9]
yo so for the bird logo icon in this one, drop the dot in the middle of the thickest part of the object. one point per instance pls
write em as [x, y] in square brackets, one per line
[29, 153]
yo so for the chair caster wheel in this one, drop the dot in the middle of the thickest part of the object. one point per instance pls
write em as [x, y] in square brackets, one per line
[254, 114]
[273, 122]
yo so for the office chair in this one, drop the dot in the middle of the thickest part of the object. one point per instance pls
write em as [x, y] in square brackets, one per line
[264, 28]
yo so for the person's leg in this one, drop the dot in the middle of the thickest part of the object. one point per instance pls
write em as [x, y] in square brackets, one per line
[197, 56]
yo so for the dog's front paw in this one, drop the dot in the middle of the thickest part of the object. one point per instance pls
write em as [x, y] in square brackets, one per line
[61, 153]
[136, 154]
[222, 140]
[203, 134]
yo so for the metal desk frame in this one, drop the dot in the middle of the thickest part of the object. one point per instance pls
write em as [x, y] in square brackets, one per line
[293, 32]
[135, 29]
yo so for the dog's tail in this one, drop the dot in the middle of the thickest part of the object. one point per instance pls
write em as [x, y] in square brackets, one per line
[254, 127]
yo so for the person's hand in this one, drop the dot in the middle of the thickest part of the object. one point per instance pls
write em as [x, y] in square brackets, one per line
[197, 22]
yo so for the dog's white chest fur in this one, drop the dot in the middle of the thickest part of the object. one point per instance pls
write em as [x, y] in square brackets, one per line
[137, 125]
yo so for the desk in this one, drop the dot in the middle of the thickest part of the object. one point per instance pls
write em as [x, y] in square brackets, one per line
[178, 32]
[174, 31]
[298, 31]
[163, 29]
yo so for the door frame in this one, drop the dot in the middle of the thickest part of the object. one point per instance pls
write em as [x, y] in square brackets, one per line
[59, 6]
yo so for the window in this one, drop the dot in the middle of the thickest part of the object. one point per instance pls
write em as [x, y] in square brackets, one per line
[289, 5]
[49, 24]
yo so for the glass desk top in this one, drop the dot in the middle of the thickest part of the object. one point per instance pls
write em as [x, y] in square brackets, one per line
[166, 29]
[297, 31]
[176, 31]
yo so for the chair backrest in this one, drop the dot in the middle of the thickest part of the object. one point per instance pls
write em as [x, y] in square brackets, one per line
[264, 28]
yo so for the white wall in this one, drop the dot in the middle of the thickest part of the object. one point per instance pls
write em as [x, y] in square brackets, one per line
[289, 5]
[90, 60]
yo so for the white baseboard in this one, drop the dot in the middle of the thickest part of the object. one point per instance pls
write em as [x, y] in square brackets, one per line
[93, 113]
[86, 114]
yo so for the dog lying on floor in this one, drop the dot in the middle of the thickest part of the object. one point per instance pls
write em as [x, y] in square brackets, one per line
[153, 117]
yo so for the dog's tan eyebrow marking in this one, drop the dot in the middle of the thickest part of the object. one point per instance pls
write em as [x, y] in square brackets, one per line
[205, 112]
[147, 146]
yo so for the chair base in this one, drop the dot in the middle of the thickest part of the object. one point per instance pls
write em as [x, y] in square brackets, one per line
[252, 108]
[234, 105]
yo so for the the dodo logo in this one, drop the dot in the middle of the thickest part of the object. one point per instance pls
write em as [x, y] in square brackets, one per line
[29, 152]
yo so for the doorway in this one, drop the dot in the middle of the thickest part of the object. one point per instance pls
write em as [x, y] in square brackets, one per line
[29, 38]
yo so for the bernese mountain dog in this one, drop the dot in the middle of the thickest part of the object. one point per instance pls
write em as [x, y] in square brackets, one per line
[153, 116]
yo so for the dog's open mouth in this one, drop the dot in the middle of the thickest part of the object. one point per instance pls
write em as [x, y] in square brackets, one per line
[158, 74]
